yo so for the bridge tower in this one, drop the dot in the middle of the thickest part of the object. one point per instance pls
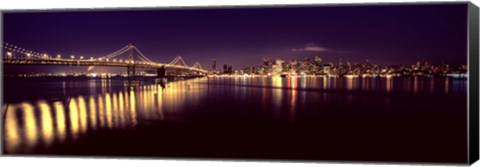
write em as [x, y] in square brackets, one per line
[161, 72]
[130, 68]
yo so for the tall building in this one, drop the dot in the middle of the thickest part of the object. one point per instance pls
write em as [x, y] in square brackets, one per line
[214, 65]
[225, 68]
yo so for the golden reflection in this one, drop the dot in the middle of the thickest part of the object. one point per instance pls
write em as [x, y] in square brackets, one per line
[74, 118]
[289, 82]
[151, 99]
[83, 113]
[366, 84]
[293, 102]
[133, 113]
[12, 137]
[60, 116]
[349, 83]
[277, 82]
[294, 81]
[143, 97]
[108, 109]
[160, 102]
[93, 85]
[104, 85]
[324, 82]
[121, 109]
[101, 112]
[277, 92]
[303, 83]
[115, 111]
[146, 97]
[93, 113]
[175, 93]
[47, 122]
[389, 85]
[127, 106]
[59, 121]
[30, 125]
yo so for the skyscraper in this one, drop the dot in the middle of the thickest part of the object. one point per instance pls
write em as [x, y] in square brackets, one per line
[214, 65]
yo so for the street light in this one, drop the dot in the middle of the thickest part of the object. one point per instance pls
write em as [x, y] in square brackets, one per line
[59, 56]
[9, 54]
[72, 57]
[81, 57]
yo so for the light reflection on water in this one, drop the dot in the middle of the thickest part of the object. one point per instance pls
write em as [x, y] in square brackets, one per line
[414, 84]
[61, 121]
[45, 122]
[29, 127]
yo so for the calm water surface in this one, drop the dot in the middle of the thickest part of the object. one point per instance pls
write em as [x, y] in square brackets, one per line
[390, 119]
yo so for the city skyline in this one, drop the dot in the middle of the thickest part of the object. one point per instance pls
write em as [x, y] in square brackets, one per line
[243, 37]
[258, 82]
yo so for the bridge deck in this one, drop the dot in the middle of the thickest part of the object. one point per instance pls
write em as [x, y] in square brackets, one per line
[66, 62]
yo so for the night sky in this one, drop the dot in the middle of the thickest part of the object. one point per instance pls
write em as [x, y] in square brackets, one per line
[386, 35]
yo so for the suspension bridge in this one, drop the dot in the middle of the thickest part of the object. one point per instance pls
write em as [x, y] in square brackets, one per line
[14, 55]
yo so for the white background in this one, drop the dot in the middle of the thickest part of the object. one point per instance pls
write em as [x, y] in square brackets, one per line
[56, 4]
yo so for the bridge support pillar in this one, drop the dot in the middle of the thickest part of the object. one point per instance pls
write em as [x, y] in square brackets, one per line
[131, 74]
[161, 72]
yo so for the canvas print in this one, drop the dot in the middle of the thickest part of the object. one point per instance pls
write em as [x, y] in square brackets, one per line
[382, 83]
